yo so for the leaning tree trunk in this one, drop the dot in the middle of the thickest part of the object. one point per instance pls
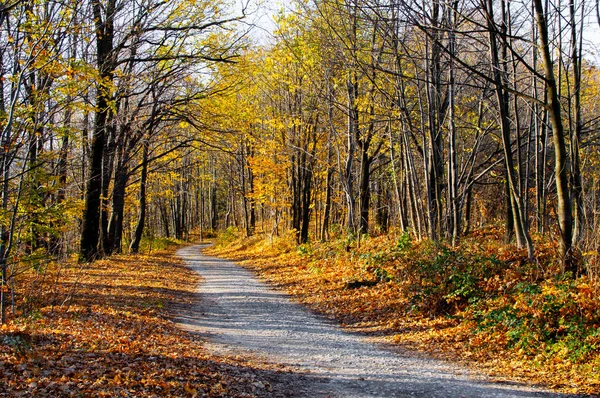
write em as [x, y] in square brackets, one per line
[564, 211]
[520, 221]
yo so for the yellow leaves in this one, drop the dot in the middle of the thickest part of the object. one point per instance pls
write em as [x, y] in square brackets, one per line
[189, 389]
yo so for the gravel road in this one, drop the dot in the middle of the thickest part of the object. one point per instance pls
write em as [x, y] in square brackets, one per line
[239, 314]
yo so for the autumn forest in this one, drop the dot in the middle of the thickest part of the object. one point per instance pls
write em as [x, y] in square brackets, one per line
[441, 153]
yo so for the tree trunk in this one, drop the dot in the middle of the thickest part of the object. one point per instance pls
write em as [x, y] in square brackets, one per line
[328, 192]
[348, 182]
[576, 180]
[436, 111]
[115, 231]
[520, 222]
[164, 216]
[455, 217]
[565, 216]
[213, 200]
[139, 229]
[108, 165]
[364, 190]
[104, 47]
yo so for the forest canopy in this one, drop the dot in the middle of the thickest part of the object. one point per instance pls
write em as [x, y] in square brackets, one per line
[129, 120]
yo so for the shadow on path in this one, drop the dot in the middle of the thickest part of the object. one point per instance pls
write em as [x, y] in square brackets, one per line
[238, 314]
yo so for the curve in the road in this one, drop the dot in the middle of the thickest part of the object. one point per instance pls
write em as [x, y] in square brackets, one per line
[239, 313]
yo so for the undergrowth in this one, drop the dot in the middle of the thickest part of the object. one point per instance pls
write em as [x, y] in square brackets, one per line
[480, 301]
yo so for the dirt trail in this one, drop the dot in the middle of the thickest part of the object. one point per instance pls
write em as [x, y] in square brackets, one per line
[238, 314]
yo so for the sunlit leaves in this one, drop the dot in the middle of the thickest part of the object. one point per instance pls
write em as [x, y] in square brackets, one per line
[480, 302]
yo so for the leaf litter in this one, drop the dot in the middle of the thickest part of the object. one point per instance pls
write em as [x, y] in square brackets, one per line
[105, 329]
[369, 287]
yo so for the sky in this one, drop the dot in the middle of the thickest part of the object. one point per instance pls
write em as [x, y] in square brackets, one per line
[263, 12]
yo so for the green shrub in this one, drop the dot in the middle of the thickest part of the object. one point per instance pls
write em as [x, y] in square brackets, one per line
[229, 235]
[545, 317]
[404, 242]
[304, 249]
[444, 280]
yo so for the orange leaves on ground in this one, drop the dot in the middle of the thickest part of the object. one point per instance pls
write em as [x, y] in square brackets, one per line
[105, 331]
[482, 304]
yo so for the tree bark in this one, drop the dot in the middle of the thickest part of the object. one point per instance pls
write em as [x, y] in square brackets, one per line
[90, 232]
[564, 211]
[139, 229]
[576, 130]
[115, 230]
[520, 221]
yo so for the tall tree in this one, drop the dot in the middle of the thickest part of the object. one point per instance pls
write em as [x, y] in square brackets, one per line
[104, 18]
[520, 223]
[564, 209]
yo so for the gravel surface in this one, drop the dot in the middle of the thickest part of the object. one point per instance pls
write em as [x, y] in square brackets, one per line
[239, 314]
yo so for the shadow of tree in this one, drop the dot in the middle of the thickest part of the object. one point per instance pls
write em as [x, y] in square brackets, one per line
[113, 337]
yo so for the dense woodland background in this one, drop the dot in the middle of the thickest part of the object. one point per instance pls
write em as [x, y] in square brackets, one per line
[123, 120]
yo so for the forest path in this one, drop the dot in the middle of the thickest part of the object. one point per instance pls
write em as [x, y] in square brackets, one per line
[239, 314]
